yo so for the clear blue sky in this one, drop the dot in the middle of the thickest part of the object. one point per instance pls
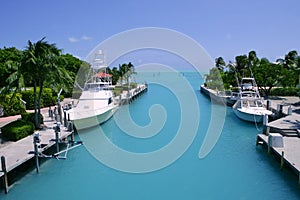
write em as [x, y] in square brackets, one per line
[224, 28]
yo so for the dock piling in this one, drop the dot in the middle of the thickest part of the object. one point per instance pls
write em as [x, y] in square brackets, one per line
[282, 160]
[299, 180]
[72, 137]
[36, 140]
[65, 119]
[269, 149]
[268, 104]
[280, 110]
[265, 123]
[57, 130]
[5, 179]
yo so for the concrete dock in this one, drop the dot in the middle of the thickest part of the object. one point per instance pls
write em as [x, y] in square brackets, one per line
[17, 153]
[289, 153]
[126, 97]
[222, 97]
[287, 129]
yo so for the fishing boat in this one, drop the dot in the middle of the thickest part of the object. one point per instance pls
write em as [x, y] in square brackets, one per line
[250, 105]
[96, 104]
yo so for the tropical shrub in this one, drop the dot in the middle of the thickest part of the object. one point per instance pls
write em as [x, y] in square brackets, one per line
[288, 91]
[30, 117]
[47, 98]
[11, 104]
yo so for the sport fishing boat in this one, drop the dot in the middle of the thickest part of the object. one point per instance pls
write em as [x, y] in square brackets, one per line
[249, 105]
[96, 104]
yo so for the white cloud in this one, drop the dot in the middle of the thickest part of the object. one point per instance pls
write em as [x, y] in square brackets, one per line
[83, 38]
[73, 39]
[86, 37]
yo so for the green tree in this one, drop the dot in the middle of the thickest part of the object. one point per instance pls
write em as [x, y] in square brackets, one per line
[214, 79]
[264, 79]
[241, 64]
[220, 63]
[8, 58]
[42, 64]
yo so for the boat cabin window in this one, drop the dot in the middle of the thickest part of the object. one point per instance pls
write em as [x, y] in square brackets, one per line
[109, 100]
[96, 86]
[252, 103]
[259, 103]
[245, 104]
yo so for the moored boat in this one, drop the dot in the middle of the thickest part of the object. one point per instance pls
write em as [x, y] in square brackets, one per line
[249, 105]
[95, 106]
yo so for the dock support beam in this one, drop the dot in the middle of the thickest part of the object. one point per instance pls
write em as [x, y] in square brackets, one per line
[265, 124]
[268, 104]
[36, 140]
[299, 180]
[280, 110]
[5, 179]
[57, 141]
[72, 137]
[65, 119]
[282, 160]
[269, 149]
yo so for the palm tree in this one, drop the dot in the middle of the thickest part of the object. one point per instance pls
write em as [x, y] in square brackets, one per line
[42, 62]
[241, 63]
[15, 81]
[220, 63]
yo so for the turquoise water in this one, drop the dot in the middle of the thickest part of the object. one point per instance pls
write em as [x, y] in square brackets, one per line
[234, 169]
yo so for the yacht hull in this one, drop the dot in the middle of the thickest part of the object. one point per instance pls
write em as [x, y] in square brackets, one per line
[95, 119]
[250, 117]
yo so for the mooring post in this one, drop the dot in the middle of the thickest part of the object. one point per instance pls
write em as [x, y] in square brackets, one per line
[268, 104]
[49, 111]
[65, 118]
[299, 180]
[290, 110]
[70, 126]
[72, 136]
[36, 140]
[3, 164]
[265, 123]
[280, 110]
[57, 130]
[282, 160]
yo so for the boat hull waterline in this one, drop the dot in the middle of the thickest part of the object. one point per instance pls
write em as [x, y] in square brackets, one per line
[94, 120]
[252, 116]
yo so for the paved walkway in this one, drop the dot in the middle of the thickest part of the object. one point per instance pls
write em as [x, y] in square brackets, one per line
[294, 102]
[17, 152]
[291, 121]
[7, 120]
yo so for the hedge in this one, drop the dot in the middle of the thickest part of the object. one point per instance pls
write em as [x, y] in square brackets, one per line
[288, 91]
[47, 98]
[30, 117]
[17, 130]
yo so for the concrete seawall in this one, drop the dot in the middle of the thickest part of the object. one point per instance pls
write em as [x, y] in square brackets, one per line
[217, 97]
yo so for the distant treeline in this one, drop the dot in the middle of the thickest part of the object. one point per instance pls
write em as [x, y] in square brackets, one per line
[284, 73]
